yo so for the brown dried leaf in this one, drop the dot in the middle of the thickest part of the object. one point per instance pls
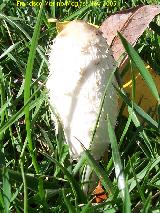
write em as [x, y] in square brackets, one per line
[131, 23]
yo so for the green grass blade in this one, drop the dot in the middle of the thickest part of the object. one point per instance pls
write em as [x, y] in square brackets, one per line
[70, 207]
[16, 193]
[6, 190]
[102, 103]
[142, 133]
[139, 188]
[27, 84]
[32, 180]
[102, 175]
[154, 163]
[25, 189]
[77, 13]
[127, 200]
[3, 108]
[79, 164]
[87, 208]
[76, 189]
[138, 109]
[139, 176]
[12, 47]
[28, 77]
[1, 201]
[125, 130]
[11, 21]
[141, 67]
[116, 159]
[147, 204]
[20, 113]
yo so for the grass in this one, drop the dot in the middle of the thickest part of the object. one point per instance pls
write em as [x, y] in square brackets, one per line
[35, 170]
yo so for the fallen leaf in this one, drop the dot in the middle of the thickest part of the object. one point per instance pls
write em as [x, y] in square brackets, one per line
[130, 23]
[99, 194]
[143, 97]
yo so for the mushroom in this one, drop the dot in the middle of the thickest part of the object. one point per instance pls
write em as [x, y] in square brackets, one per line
[80, 63]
